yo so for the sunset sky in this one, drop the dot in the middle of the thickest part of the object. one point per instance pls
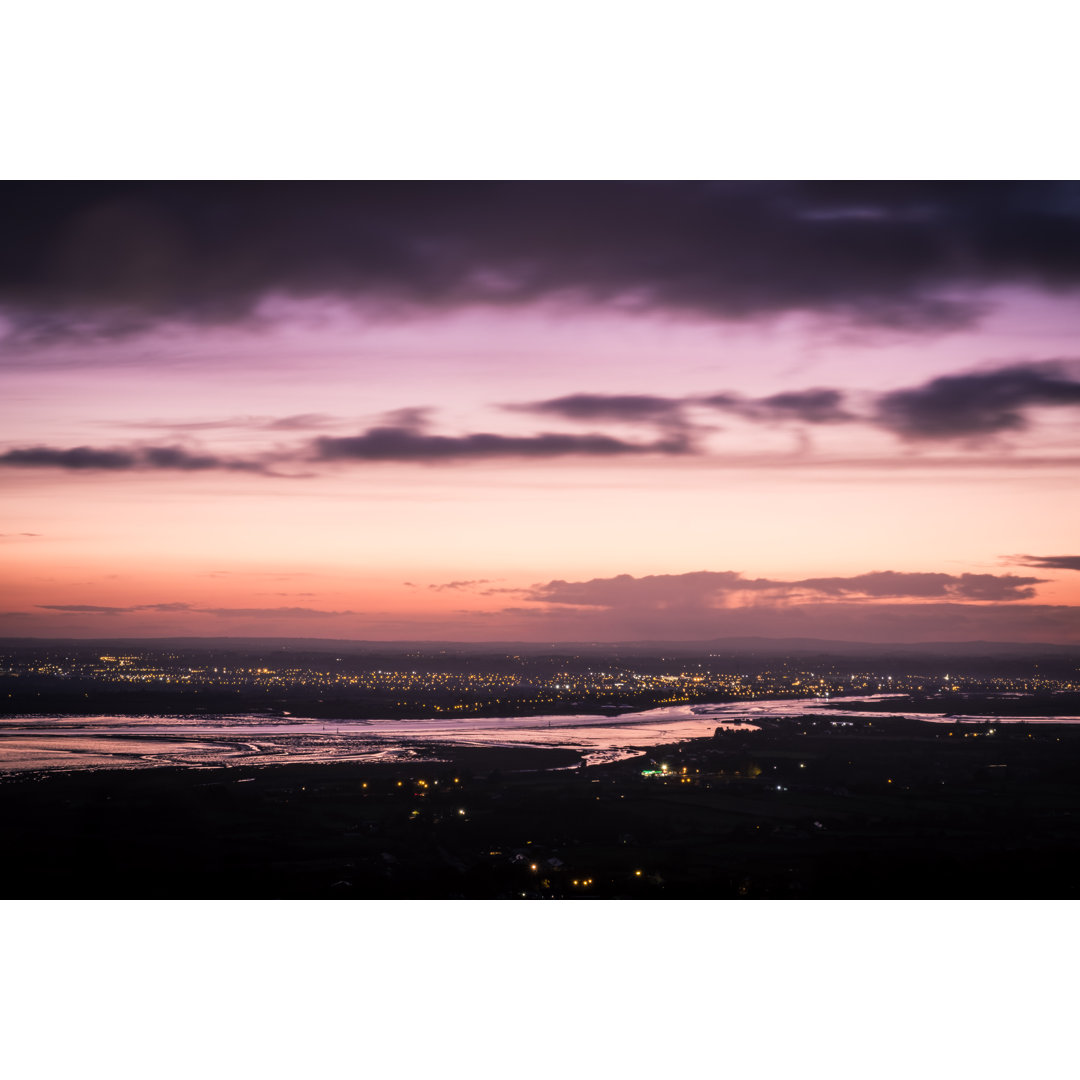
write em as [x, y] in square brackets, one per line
[535, 412]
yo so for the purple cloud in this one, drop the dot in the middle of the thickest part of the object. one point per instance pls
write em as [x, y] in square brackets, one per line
[890, 254]
[297, 422]
[820, 405]
[706, 589]
[618, 407]
[977, 404]
[86, 458]
[894, 584]
[409, 445]
[1048, 562]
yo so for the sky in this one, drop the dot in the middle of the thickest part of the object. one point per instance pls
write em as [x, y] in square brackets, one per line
[540, 411]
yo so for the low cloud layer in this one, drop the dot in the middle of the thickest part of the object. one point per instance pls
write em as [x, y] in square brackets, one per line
[705, 589]
[890, 584]
[880, 606]
[880, 621]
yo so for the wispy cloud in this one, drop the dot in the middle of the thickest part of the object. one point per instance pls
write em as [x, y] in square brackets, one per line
[86, 458]
[297, 422]
[820, 405]
[1046, 562]
[297, 612]
[174, 607]
[618, 407]
[87, 609]
[99, 609]
[408, 445]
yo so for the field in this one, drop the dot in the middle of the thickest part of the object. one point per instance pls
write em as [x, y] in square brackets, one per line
[889, 809]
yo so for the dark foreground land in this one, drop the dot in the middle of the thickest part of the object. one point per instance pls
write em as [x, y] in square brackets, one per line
[888, 808]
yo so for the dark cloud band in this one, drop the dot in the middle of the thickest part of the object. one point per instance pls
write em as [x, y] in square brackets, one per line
[618, 407]
[79, 458]
[117, 257]
[407, 444]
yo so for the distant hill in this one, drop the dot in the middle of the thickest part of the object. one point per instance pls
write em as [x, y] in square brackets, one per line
[745, 646]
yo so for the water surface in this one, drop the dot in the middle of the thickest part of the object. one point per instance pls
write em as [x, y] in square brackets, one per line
[138, 742]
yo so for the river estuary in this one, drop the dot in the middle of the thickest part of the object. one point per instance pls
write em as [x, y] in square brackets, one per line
[138, 742]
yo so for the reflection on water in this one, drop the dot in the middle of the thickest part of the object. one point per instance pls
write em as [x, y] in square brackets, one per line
[129, 742]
